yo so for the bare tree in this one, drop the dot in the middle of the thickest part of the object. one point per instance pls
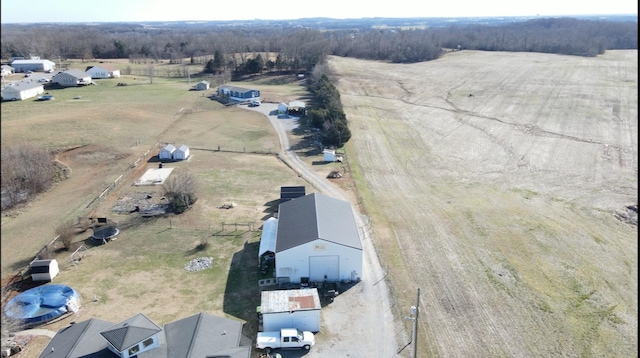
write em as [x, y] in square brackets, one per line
[26, 171]
[66, 231]
[180, 189]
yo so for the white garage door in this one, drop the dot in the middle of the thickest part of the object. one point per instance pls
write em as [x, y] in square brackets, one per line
[319, 266]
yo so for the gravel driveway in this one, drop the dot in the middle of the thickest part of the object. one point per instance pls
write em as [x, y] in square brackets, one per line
[359, 322]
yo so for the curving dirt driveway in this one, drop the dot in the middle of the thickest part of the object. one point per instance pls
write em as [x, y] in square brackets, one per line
[359, 323]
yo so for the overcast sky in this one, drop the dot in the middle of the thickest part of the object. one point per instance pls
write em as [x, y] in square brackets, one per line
[30, 11]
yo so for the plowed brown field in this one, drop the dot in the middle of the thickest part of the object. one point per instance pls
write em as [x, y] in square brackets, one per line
[493, 180]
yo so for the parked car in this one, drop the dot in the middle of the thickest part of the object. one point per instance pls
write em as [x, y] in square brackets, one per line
[29, 72]
[44, 80]
[285, 338]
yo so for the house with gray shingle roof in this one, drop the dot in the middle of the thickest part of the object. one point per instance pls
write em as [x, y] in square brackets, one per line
[196, 336]
[72, 78]
[317, 238]
[132, 336]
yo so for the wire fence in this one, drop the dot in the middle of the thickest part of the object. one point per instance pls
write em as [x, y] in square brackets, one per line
[131, 168]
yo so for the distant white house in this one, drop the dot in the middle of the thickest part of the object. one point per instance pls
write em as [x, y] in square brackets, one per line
[72, 78]
[7, 70]
[103, 71]
[22, 90]
[181, 153]
[202, 85]
[33, 65]
[166, 153]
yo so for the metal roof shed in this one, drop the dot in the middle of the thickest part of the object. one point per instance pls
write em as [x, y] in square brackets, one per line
[166, 152]
[291, 309]
[268, 238]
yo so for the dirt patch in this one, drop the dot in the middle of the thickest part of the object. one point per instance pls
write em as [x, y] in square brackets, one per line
[144, 203]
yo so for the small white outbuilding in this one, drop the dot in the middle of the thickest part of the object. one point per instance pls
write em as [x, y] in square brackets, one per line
[329, 155]
[181, 153]
[166, 153]
[44, 270]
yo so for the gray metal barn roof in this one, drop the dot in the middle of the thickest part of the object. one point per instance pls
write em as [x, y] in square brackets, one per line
[316, 216]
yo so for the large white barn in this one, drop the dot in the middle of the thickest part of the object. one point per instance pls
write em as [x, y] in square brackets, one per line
[33, 65]
[22, 90]
[317, 237]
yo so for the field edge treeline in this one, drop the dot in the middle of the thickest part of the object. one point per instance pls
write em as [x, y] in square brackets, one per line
[235, 49]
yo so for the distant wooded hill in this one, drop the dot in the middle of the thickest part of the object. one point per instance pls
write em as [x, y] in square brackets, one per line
[301, 44]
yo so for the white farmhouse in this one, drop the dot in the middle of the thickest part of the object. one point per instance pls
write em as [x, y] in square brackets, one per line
[72, 78]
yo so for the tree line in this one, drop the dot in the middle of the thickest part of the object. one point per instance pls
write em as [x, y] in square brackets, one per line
[299, 49]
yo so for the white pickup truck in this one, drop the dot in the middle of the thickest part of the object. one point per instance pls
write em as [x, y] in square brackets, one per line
[285, 338]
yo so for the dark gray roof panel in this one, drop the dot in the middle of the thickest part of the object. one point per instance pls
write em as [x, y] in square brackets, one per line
[316, 216]
[79, 340]
[204, 335]
[130, 331]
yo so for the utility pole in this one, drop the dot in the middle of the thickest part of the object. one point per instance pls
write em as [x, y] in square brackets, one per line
[414, 331]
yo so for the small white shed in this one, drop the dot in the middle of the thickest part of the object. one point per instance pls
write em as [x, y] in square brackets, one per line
[166, 153]
[202, 85]
[44, 270]
[329, 155]
[291, 309]
[22, 90]
[282, 108]
[181, 153]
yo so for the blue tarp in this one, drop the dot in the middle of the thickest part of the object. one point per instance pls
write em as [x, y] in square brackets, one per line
[41, 304]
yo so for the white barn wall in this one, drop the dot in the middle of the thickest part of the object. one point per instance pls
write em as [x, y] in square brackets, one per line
[308, 320]
[294, 262]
